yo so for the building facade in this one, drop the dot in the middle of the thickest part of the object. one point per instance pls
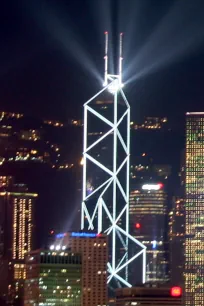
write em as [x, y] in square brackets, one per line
[16, 239]
[176, 240]
[94, 251]
[148, 215]
[194, 210]
[53, 278]
[144, 296]
[5, 236]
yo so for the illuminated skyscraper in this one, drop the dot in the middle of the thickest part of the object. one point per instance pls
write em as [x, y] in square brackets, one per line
[53, 278]
[105, 208]
[5, 238]
[148, 223]
[17, 236]
[22, 236]
[194, 208]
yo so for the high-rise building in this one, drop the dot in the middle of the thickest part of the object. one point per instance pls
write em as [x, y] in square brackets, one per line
[22, 236]
[194, 210]
[5, 235]
[94, 251]
[176, 239]
[53, 278]
[148, 223]
[16, 236]
[144, 296]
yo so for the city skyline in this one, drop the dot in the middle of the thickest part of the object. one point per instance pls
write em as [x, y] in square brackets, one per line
[92, 187]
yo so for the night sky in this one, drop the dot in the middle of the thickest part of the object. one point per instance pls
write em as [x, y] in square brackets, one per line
[52, 54]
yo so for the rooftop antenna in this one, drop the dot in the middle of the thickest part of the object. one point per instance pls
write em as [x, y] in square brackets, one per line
[117, 78]
[120, 58]
[106, 60]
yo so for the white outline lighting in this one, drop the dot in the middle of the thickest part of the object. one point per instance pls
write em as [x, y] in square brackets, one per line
[116, 230]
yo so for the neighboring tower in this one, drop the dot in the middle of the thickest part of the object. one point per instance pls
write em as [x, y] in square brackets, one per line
[194, 210]
[148, 223]
[94, 250]
[105, 208]
[22, 237]
[176, 241]
[53, 278]
[17, 236]
[5, 235]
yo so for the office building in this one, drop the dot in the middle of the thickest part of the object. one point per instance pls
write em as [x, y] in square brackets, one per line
[176, 241]
[148, 224]
[5, 223]
[94, 251]
[53, 278]
[16, 237]
[194, 210]
[144, 296]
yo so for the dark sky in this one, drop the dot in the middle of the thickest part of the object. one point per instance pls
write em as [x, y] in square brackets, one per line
[52, 54]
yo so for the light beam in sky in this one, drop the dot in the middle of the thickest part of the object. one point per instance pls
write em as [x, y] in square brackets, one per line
[179, 33]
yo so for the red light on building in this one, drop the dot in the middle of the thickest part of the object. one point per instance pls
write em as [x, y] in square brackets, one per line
[137, 225]
[176, 291]
[51, 232]
[160, 185]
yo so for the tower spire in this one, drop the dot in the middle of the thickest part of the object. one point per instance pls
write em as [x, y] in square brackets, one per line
[106, 59]
[117, 78]
[120, 57]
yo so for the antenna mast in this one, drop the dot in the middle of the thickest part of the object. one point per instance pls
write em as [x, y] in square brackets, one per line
[120, 58]
[106, 60]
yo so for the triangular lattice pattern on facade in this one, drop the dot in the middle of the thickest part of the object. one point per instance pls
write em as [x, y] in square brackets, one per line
[105, 206]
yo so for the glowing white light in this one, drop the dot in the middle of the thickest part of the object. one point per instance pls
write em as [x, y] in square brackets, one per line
[58, 247]
[63, 247]
[152, 186]
[115, 86]
[52, 247]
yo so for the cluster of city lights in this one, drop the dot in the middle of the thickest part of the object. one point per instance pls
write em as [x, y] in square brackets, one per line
[57, 247]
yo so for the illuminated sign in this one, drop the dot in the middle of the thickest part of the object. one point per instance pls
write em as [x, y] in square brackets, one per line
[75, 234]
[152, 186]
[61, 235]
[176, 291]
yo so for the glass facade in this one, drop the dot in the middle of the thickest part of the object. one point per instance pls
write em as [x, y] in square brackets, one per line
[148, 217]
[53, 278]
[194, 208]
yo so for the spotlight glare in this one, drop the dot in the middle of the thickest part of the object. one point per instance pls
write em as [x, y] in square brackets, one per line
[52, 247]
[58, 247]
[115, 86]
